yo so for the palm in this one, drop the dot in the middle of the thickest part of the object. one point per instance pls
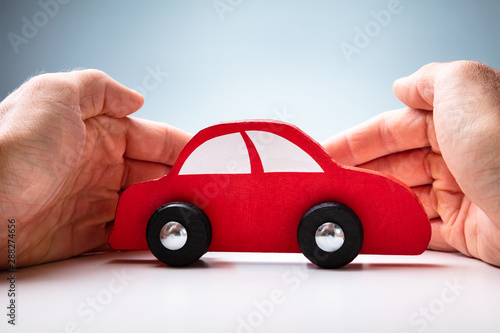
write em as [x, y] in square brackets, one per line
[467, 133]
[86, 191]
[453, 214]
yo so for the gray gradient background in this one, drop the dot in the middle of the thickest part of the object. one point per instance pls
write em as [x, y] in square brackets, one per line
[264, 59]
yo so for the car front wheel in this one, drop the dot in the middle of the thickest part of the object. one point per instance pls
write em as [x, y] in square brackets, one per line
[178, 233]
[330, 235]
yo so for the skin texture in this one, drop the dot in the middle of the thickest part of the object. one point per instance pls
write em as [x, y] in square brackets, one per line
[445, 145]
[67, 150]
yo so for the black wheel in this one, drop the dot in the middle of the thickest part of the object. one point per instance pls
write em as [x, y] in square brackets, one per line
[178, 233]
[330, 235]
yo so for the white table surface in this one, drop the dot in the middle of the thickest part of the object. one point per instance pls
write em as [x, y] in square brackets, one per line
[248, 292]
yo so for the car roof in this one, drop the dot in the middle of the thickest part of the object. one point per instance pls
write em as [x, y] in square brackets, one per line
[283, 129]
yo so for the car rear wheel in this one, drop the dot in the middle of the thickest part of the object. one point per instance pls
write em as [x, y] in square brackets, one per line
[178, 233]
[330, 235]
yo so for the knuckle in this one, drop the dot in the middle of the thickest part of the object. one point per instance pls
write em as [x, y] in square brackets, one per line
[64, 83]
[471, 70]
[465, 67]
[50, 83]
[93, 74]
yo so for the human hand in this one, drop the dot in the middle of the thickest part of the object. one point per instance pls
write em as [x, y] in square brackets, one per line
[445, 145]
[67, 149]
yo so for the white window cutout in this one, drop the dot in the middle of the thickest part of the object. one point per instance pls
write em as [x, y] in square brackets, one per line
[225, 154]
[280, 155]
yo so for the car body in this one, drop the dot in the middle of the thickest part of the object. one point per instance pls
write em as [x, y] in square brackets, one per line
[255, 180]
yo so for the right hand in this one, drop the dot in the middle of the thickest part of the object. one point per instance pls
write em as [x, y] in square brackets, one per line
[446, 146]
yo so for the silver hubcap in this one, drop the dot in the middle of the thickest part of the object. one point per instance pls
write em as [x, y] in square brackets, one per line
[173, 235]
[329, 237]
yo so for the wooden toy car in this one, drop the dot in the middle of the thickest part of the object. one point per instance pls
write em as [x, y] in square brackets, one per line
[265, 186]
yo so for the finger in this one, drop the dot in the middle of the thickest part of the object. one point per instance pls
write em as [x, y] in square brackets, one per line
[411, 166]
[417, 90]
[437, 242]
[388, 133]
[140, 171]
[101, 95]
[154, 142]
[427, 197]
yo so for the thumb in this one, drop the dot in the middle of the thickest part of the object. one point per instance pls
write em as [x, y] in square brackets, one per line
[417, 90]
[99, 94]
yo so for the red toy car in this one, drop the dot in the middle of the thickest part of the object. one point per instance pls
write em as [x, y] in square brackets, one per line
[265, 186]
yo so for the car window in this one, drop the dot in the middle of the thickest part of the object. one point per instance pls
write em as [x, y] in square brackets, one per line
[280, 155]
[223, 154]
